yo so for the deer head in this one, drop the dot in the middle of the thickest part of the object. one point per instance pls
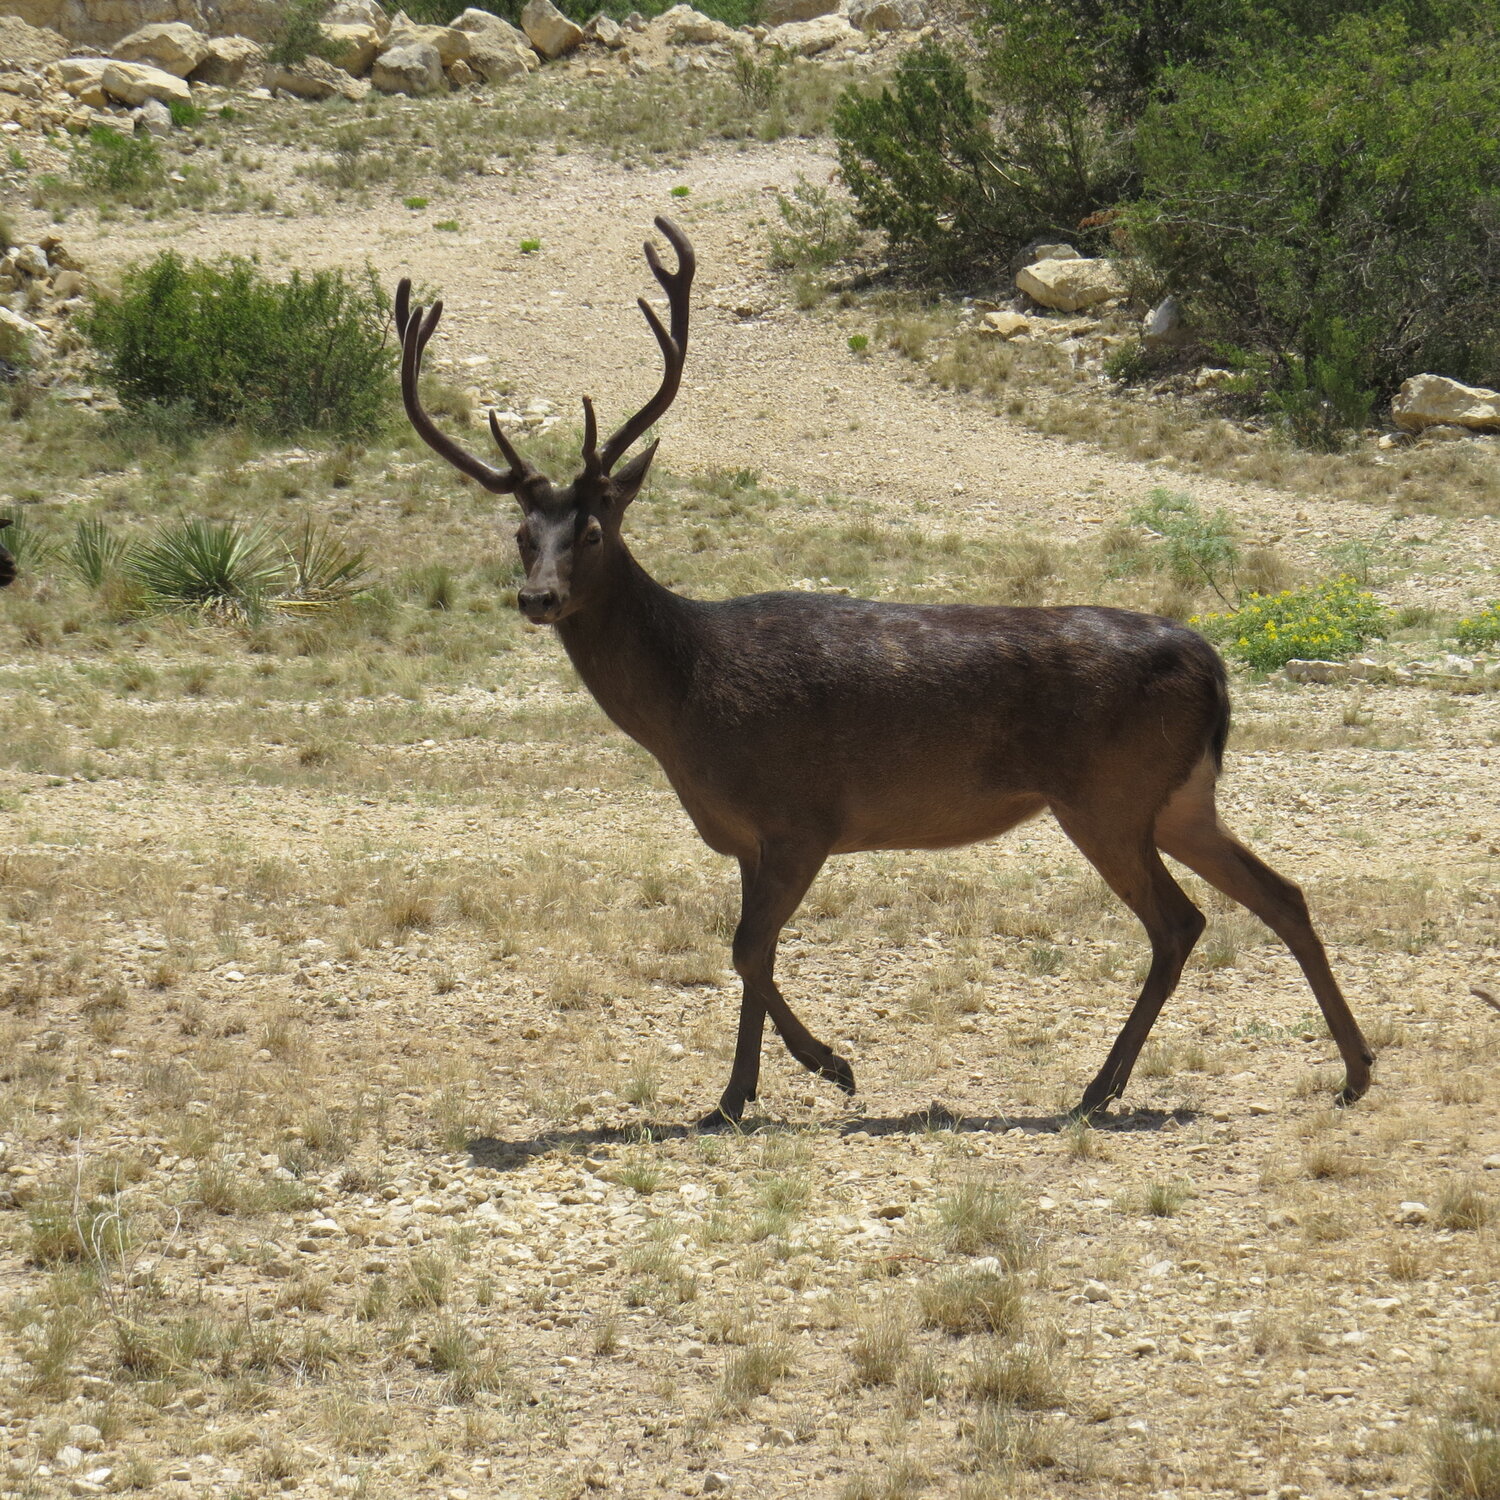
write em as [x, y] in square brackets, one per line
[568, 533]
[7, 562]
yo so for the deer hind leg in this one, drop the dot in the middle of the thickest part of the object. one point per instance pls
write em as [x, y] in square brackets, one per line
[772, 888]
[1128, 861]
[1189, 830]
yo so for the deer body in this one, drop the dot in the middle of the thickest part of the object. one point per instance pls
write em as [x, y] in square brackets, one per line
[794, 726]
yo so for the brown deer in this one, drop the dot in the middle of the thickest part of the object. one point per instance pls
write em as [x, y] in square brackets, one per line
[794, 726]
[7, 562]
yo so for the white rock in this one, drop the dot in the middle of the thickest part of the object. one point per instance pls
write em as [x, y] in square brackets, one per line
[21, 340]
[486, 23]
[1070, 285]
[683, 26]
[80, 73]
[357, 45]
[1164, 327]
[1096, 1291]
[1413, 1213]
[155, 117]
[1433, 400]
[86, 1436]
[888, 15]
[779, 12]
[1298, 670]
[134, 83]
[549, 30]
[172, 46]
[451, 43]
[1005, 324]
[358, 13]
[496, 60]
[416, 69]
[809, 38]
[606, 31]
[231, 62]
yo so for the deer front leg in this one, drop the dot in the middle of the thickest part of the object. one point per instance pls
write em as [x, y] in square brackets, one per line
[772, 887]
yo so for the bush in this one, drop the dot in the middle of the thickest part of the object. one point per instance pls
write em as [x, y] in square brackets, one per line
[212, 567]
[957, 186]
[1327, 623]
[298, 35]
[120, 166]
[1199, 549]
[1478, 632]
[227, 345]
[819, 229]
[1334, 209]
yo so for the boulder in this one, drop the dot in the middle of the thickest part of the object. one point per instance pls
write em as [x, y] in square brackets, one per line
[496, 61]
[313, 78]
[450, 43]
[172, 46]
[135, 83]
[461, 75]
[888, 15]
[605, 31]
[355, 46]
[487, 23]
[231, 62]
[21, 341]
[549, 30]
[1434, 400]
[81, 73]
[154, 118]
[808, 38]
[1069, 285]
[684, 26]
[1164, 327]
[29, 47]
[1005, 324]
[358, 13]
[416, 68]
[780, 12]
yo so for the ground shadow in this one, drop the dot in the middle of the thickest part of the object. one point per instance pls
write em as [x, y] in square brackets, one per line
[501, 1154]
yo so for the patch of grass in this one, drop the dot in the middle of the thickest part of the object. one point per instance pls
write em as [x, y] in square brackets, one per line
[530, 247]
[880, 1347]
[416, 202]
[1016, 1375]
[976, 1217]
[972, 1301]
[754, 1370]
[1464, 1450]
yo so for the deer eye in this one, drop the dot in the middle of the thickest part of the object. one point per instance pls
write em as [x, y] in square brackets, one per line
[592, 534]
[523, 539]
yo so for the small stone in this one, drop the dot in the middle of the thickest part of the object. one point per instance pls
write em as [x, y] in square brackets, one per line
[891, 1211]
[1491, 1164]
[714, 1482]
[1413, 1213]
[1005, 324]
[1096, 1291]
[1142, 1348]
[1262, 1109]
[86, 1436]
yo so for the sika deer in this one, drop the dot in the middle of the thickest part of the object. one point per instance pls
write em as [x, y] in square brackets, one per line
[794, 726]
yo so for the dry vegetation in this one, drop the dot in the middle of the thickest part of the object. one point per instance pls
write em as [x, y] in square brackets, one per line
[358, 980]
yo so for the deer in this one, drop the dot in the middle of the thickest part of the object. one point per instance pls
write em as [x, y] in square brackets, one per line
[7, 562]
[795, 726]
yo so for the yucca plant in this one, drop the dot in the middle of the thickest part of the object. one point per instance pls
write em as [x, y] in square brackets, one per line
[217, 568]
[94, 553]
[324, 571]
[28, 545]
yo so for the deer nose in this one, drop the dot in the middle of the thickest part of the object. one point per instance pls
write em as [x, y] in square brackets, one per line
[538, 605]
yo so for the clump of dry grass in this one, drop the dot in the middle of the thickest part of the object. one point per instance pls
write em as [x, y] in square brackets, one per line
[976, 1217]
[1464, 1450]
[972, 1301]
[880, 1347]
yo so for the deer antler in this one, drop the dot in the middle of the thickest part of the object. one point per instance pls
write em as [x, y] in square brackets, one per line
[677, 285]
[415, 332]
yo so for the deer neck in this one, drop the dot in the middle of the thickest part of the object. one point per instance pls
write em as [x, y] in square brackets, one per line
[633, 646]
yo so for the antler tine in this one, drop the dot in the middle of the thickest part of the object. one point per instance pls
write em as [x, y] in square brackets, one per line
[592, 467]
[677, 285]
[416, 328]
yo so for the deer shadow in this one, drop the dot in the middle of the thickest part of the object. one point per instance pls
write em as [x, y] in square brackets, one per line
[503, 1154]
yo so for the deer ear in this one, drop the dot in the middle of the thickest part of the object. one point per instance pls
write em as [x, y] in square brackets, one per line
[626, 485]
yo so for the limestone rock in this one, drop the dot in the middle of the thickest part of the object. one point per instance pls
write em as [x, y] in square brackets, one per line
[1164, 327]
[486, 23]
[550, 31]
[356, 46]
[1005, 324]
[313, 78]
[260, 20]
[888, 15]
[416, 68]
[461, 75]
[450, 43]
[99, 23]
[30, 47]
[605, 31]
[780, 12]
[359, 13]
[21, 341]
[684, 26]
[172, 46]
[1434, 400]
[154, 118]
[808, 38]
[496, 61]
[135, 83]
[1069, 285]
[231, 62]
[81, 73]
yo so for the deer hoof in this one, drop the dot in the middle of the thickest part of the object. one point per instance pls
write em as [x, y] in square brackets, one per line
[837, 1070]
[721, 1117]
[1349, 1094]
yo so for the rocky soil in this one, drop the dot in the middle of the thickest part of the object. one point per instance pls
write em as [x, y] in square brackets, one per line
[397, 1224]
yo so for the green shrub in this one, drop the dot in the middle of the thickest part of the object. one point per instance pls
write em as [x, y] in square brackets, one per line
[1335, 210]
[93, 553]
[121, 166]
[1480, 631]
[228, 345]
[298, 35]
[1327, 623]
[1199, 549]
[819, 228]
[957, 181]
